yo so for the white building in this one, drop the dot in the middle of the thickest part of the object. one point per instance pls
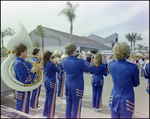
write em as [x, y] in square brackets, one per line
[83, 43]
[108, 41]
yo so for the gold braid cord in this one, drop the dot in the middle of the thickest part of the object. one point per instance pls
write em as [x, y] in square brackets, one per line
[38, 75]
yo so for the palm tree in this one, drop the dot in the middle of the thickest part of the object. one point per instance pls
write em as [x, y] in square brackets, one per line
[69, 12]
[39, 31]
[7, 32]
[141, 47]
[136, 38]
[133, 38]
[129, 38]
[36, 44]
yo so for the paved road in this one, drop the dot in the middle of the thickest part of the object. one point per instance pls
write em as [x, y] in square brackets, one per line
[141, 101]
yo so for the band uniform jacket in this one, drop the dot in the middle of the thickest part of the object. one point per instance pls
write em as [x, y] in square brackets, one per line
[125, 76]
[74, 68]
[146, 74]
[60, 74]
[98, 72]
[88, 63]
[22, 71]
[50, 70]
[23, 74]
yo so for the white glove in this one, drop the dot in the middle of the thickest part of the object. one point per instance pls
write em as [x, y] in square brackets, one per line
[58, 60]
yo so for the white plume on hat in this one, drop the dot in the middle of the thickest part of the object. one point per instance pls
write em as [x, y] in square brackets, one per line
[88, 52]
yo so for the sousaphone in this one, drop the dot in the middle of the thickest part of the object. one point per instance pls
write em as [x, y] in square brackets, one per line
[7, 72]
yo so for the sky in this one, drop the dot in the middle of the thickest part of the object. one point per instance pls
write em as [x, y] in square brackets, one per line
[102, 18]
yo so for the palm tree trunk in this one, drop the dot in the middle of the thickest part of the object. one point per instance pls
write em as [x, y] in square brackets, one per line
[42, 45]
[134, 46]
[71, 27]
[131, 46]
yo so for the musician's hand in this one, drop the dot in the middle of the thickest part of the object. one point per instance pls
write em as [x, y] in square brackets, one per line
[40, 66]
[35, 69]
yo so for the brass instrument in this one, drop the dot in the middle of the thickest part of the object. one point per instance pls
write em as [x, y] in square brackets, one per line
[7, 71]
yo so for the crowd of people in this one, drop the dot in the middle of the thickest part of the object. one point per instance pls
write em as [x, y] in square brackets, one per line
[68, 68]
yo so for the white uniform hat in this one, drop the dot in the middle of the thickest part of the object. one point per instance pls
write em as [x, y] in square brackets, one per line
[139, 54]
[89, 54]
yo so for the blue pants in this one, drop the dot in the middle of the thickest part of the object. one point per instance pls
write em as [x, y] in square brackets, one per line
[35, 96]
[97, 97]
[49, 106]
[61, 86]
[22, 101]
[119, 115]
[73, 108]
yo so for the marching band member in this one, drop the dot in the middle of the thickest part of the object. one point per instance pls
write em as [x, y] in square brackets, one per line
[109, 59]
[24, 75]
[74, 85]
[92, 58]
[88, 58]
[50, 70]
[61, 78]
[34, 103]
[104, 61]
[132, 59]
[77, 54]
[98, 69]
[125, 76]
[146, 71]
[141, 63]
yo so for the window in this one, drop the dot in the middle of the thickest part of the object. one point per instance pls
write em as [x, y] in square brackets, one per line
[113, 45]
[116, 39]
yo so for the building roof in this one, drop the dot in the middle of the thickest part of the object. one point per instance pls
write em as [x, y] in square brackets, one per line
[81, 40]
[100, 39]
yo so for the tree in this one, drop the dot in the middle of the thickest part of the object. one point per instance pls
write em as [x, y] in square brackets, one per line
[133, 38]
[36, 44]
[129, 38]
[7, 32]
[39, 31]
[136, 38]
[69, 12]
[141, 47]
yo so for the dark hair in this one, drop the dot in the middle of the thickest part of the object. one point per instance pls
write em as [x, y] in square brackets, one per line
[18, 48]
[35, 51]
[46, 57]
